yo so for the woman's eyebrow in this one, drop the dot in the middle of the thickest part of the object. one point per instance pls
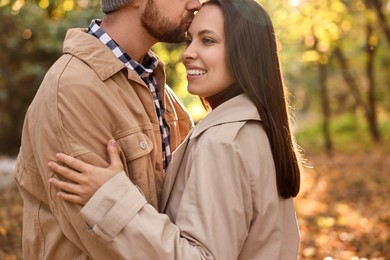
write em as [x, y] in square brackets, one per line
[205, 31]
[202, 32]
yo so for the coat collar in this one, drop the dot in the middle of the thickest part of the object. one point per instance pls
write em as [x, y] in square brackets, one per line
[239, 108]
[90, 50]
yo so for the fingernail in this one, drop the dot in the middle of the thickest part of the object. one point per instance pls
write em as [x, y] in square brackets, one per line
[112, 142]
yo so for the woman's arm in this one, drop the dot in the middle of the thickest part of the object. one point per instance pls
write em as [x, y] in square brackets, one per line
[225, 204]
[85, 179]
[212, 220]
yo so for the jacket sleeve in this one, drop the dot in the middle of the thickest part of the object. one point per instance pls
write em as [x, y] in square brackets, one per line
[212, 221]
[72, 115]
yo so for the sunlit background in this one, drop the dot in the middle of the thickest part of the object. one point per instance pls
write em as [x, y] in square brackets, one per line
[336, 64]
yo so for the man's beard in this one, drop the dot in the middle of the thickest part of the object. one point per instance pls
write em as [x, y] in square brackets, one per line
[161, 27]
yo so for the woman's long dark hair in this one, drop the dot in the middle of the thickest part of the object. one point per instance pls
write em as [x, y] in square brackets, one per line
[254, 61]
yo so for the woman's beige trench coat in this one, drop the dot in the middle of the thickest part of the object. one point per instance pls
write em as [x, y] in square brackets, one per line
[219, 199]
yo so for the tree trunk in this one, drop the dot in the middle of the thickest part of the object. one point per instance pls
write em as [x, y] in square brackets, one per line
[325, 107]
[377, 6]
[371, 101]
[348, 77]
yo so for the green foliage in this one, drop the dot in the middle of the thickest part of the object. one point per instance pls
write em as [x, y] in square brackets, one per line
[349, 131]
[30, 42]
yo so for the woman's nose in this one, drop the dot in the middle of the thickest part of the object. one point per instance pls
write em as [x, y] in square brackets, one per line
[189, 53]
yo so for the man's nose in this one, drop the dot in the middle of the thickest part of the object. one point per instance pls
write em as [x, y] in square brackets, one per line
[194, 5]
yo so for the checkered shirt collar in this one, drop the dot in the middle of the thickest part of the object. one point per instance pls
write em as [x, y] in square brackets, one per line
[144, 70]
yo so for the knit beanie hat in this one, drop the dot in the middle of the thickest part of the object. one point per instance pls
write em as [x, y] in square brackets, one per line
[112, 5]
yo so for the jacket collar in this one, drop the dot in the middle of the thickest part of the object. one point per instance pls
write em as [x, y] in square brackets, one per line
[239, 108]
[92, 51]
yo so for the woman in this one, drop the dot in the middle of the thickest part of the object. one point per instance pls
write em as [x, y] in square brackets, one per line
[229, 187]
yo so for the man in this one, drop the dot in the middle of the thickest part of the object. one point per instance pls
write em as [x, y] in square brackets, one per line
[107, 84]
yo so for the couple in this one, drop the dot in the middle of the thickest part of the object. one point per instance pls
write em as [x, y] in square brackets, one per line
[227, 193]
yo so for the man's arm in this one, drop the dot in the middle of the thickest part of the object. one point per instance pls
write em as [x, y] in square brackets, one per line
[72, 115]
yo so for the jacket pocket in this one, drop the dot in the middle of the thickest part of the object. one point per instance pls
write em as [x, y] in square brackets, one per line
[141, 157]
[135, 145]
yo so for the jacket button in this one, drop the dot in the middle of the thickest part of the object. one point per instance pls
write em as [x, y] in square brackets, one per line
[143, 145]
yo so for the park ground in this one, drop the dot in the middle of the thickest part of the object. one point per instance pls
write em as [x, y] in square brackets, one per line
[343, 208]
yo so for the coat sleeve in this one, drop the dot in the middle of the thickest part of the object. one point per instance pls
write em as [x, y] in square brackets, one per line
[212, 221]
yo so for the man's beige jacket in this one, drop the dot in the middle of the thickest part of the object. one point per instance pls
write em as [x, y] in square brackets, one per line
[87, 97]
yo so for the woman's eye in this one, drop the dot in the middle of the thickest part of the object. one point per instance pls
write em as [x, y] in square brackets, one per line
[208, 41]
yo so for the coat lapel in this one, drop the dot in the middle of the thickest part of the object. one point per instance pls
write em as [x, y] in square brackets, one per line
[172, 171]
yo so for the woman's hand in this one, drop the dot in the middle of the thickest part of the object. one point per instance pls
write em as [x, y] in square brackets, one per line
[84, 179]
